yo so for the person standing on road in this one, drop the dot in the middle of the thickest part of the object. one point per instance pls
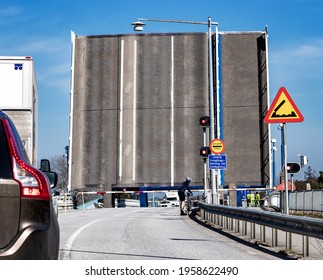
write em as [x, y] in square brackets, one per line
[252, 199]
[181, 194]
[248, 199]
[257, 199]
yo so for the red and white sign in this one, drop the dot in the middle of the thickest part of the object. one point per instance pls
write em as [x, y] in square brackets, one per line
[217, 146]
[283, 109]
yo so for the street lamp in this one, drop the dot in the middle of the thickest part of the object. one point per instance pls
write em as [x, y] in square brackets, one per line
[138, 26]
[303, 160]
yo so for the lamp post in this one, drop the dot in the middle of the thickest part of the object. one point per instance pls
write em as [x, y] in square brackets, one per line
[67, 159]
[281, 128]
[138, 26]
[274, 149]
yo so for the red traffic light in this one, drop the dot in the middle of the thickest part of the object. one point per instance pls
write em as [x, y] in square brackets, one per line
[293, 167]
[204, 151]
[205, 121]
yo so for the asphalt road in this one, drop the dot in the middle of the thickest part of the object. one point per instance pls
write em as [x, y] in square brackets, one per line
[147, 233]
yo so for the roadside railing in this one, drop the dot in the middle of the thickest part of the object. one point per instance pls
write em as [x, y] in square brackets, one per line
[237, 219]
[64, 201]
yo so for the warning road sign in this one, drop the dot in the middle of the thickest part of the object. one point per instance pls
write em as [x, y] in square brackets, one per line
[283, 109]
[217, 146]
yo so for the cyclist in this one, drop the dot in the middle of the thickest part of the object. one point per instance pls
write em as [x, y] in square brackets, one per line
[181, 194]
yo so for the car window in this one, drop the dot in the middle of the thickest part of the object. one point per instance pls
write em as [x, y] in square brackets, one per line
[5, 162]
[21, 146]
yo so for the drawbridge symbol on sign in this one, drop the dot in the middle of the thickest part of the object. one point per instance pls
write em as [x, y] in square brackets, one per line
[283, 109]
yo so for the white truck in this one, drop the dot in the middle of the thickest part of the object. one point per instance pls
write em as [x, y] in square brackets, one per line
[19, 99]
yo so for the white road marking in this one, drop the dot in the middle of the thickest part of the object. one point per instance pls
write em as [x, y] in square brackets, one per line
[65, 254]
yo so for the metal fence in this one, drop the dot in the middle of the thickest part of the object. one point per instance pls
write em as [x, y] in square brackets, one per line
[307, 201]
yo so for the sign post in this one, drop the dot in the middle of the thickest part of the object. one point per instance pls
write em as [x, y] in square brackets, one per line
[283, 110]
[217, 148]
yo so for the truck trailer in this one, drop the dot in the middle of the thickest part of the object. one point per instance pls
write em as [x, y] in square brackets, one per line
[19, 99]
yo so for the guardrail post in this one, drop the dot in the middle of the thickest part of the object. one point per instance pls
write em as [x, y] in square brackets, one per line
[306, 250]
[274, 241]
[237, 226]
[244, 227]
[252, 230]
[262, 234]
[288, 241]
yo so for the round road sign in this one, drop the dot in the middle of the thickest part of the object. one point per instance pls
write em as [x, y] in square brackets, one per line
[217, 146]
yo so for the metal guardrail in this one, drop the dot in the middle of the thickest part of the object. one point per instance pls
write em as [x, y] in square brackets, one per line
[305, 226]
[64, 201]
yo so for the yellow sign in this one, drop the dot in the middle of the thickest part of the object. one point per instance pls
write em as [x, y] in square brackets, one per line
[217, 146]
[283, 109]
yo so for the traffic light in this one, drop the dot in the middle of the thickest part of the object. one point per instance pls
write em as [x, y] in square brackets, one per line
[293, 167]
[204, 151]
[205, 121]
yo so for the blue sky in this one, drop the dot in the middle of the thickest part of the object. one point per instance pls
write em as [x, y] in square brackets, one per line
[42, 29]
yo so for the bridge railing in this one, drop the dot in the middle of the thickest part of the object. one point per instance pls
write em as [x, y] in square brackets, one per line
[237, 219]
[64, 201]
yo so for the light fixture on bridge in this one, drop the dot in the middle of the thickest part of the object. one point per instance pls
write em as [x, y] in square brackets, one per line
[138, 25]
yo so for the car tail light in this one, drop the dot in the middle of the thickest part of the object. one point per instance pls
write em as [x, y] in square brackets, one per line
[33, 182]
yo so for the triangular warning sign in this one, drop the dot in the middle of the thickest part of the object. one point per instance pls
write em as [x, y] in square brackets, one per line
[283, 109]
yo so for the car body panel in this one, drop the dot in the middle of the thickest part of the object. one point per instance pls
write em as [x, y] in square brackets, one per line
[29, 226]
[9, 210]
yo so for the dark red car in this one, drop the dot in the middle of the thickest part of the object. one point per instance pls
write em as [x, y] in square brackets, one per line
[28, 224]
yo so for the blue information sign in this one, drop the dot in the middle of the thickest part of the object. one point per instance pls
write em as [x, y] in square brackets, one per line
[218, 161]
